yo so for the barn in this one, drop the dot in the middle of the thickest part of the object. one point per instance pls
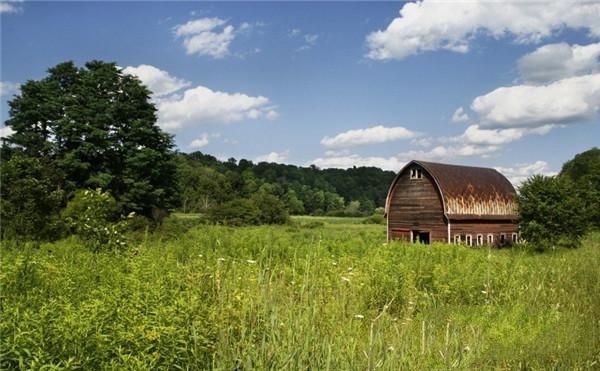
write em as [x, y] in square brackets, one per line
[429, 202]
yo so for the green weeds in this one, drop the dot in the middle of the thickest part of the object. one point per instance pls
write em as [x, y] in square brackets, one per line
[334, 297]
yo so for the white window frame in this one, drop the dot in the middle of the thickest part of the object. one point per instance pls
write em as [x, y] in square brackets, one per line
[515, 237]
[457, 239]
[490, 239]
[416, 173]
[469, 240]
[479, 235]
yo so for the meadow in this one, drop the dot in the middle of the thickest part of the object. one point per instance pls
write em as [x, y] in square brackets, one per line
[316, 294]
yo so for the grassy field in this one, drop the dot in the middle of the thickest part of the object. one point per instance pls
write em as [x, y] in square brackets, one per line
[306, 296]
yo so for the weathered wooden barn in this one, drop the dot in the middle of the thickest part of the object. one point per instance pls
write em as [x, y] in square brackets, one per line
[430, 202]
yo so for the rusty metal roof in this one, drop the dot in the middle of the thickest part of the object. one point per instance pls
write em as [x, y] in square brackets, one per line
[472, 192]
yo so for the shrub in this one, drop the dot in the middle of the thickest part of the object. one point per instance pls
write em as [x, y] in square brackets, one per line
[374, 219]
[551, 212]
[237, 212]
[272, 209]
[30, 199]
[91, 215]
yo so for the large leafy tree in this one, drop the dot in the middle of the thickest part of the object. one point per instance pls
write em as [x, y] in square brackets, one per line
[584, 172]
[98, 127]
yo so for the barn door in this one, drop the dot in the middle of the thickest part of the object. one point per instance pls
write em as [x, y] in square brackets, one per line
[421, 237]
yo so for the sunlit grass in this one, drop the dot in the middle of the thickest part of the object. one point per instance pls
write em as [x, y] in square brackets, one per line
[334, 297]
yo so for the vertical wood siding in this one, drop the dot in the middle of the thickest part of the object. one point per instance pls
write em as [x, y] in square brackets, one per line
[415, 204]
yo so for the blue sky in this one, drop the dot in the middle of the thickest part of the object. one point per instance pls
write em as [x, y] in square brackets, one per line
[515, 86]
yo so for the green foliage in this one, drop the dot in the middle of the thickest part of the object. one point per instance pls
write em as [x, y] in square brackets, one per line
[552, 212]
[30, 199]
[584, 172]
[375, 219]
[272, 209]
[98, 127]
[237, 212]
[305, 190]
[272, 297]
[92, 216]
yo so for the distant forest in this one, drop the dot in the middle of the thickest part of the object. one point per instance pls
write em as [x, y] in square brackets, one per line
[205, 181]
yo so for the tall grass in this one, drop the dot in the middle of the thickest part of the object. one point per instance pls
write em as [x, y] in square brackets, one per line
[335, 297]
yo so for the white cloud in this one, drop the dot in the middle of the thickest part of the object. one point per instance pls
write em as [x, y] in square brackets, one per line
[563, 102]
[558, 61]
[345, 162]
[308, 39]
[432, 25]
[422, 142]
[279, 157]
[6, 131]
[460, 115]
[199, 142]
[10, 6]
[201, 105]
[474, 135]
[206, 36]
[375, 134]
[197, 26]
[8, 88]
[521, 172]
[158, 81]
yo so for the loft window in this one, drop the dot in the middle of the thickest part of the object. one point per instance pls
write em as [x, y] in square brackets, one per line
[469, 240]
[457, 239]
[416, 173]
[479, 240]
[490, 239]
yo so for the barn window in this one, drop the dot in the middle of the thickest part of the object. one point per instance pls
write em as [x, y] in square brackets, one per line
[503, 238]
[469, 240]
[479, 240]
[416, 173]
[457, 239]
[515, 238]
[490, 239]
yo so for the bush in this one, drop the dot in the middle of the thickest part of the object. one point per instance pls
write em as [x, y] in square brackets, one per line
[272, 209]
[237, 212]
[30, 199]
[374, 219]
[91, 215]
[551, 212]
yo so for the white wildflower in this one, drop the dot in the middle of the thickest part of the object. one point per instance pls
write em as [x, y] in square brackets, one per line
[359, 316]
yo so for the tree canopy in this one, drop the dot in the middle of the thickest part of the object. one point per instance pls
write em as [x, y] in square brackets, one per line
[97, 126]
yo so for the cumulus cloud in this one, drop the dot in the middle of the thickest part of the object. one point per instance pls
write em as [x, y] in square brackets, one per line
[279, 157]
[375, 134]
[6, 131]
[201, 105]
[521, 172]
[433, 25]
[345, 162]
[460, 115]
[558, 61]
[199, 142]
[158, 81]
[206, 37]
[10, 6]
[567, 101]
[198, 106]
[8, 88]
